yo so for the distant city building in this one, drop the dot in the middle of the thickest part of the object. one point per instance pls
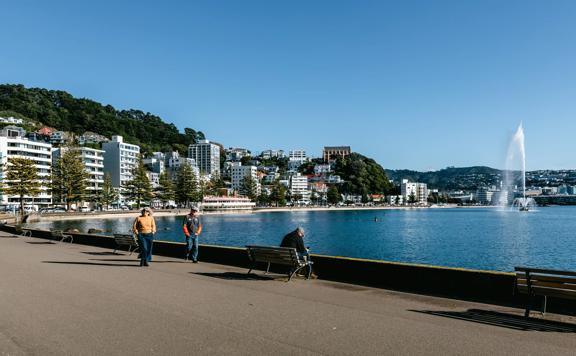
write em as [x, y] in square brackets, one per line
[155, 163]
[484, 196]
[268, 154]
[14, 144]
[395, 199]
[91, 138]
[207, 156]
[59, 137]
[174, 162]
[333, 152]
[299, 188]
[322, 169]
[120, 160]
[418, 190]
[11, 120]
[296, 158]
[235, 154]
[240, 172]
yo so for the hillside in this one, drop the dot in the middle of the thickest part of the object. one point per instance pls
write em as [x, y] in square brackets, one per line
[451, 178]
[64, 112]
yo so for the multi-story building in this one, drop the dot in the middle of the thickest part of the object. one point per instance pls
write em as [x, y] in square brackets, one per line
[207, 156]
[322, 169]
[174, 162]
[299, 188]
[240, 172]
[59, 137]
[14, 144]
[296, 158]
[93, 160]
[418, 190]
[11, 120]
[268, 154]
[91, 138]
[120, 160]
[484, 196]
[331, 153]
[235, 154]
[156, 163]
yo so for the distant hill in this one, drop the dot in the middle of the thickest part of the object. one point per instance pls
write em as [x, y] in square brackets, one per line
[451, 178]
[59, 109]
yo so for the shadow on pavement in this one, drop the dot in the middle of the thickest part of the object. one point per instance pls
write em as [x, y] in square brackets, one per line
[504, 320]
[102, 253]
[41, 242]
[94, 264]
[236, 276]
[129, 260]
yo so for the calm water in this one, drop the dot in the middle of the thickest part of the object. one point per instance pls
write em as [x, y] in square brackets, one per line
[487, 239]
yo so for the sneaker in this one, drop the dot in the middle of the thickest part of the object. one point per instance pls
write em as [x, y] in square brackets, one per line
[195, 261]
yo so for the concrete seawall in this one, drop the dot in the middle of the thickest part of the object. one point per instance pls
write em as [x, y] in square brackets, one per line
[473, 285]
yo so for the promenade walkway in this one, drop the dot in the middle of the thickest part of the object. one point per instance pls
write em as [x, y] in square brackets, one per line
[62, 299]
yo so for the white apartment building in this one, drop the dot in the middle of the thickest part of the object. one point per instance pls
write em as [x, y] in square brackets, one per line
[419, 190]
[296, 158]
[93, 160]
[235, 154]
[59, 137]
[207, 156]
[299, 187]
[13, 143]
[174, 162]
[11, 120]
[120, 159]
[239, 172]
[268, 154]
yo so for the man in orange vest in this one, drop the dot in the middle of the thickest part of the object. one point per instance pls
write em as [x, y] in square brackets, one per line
[192, 227]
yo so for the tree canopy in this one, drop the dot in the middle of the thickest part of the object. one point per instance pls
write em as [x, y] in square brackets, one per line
[59, 109]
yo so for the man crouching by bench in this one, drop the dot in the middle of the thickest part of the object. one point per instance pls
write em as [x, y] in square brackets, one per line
[295, 240]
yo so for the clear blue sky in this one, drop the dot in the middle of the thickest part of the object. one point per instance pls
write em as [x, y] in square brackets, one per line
[413, 84]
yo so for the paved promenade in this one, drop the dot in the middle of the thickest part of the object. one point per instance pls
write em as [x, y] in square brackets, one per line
[62, 299]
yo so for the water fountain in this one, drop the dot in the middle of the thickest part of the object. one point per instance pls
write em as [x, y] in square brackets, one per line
[517, 154]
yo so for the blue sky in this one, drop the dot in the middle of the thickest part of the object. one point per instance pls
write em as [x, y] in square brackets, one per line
[413, 84]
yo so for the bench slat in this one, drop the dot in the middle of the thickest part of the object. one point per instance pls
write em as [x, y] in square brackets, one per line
[555, 284]
[547, 278]
[545, 271]
[553, 292]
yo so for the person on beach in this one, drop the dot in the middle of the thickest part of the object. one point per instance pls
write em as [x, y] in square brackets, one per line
[192, 227]
[145, 227]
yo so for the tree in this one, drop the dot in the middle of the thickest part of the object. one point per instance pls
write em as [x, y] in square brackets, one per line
[278, 194]
[22, 180]
[216, 183]
[139, 187]
[333, 195]
[109, 195]
[186, 185]
[412, 198]
[69, 177]
[165, 191]
[249, 187]
[263, 199]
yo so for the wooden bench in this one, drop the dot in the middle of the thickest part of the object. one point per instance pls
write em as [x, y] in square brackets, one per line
[61, 236]
[278, 255]
[126, 240]
[546, 283]
[22, 231]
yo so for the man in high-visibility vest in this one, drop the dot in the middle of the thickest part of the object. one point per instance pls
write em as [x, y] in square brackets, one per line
[192, 227]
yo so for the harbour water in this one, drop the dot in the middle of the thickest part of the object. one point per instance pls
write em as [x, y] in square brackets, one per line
[479, 238]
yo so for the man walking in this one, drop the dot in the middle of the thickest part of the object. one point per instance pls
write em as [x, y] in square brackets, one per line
[192, 227]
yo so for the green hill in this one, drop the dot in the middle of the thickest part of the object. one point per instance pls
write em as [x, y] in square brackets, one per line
[59, 109]
[451, 178]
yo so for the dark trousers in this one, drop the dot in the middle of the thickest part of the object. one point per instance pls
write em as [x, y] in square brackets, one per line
[146, 242]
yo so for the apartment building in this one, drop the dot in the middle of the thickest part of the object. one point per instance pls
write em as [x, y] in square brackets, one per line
[13, 143]
[120, 159]
[240, 172]
[207, 156]
[418, 190]
[93, 161]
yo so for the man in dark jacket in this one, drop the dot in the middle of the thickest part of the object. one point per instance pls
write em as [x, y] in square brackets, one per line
[294, 240]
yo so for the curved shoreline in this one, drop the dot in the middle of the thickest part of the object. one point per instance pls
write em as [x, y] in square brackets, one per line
[181, 212]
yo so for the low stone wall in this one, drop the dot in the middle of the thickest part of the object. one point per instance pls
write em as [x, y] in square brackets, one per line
[473, 285]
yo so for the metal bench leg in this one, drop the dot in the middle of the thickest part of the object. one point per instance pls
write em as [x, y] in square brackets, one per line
[528, 307]
[130, 250]
[267, 268]
[544, 306]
